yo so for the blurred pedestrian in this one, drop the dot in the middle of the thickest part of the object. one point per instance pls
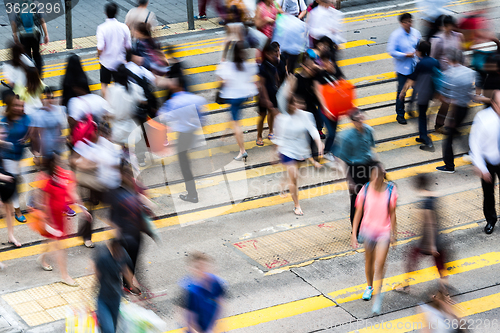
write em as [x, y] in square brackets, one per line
[355, 149]
[485, 154]
[439, 313]
[237, 86]
[457, 89]
[325, 20]
[292, 144]
[219, 7]
[297, 8]
[31, 26]
[422, 81]
[141, 14]
[376, 212]
[203, 295]
[429, 243]
[324, 44]
[113, 39]
[18, 127]
[15, 69]
[59, 188]
[265, 17]
[402, 47]
[446, 39]
[32, 92]
[183, 112]
[111, 263]
[145, 46]
[74, 78]
[268, 88]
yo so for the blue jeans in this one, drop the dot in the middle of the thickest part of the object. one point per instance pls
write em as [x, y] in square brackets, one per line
[235, 107]
[400, 105]
[422, 123]
[107, 315]
[331, 127]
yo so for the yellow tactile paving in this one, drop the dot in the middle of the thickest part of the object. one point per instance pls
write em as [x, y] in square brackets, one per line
[87, 282]
[42, 292]
[27, 308]
[17, 298]
[38, 318]
[59, 312]
[52, 302]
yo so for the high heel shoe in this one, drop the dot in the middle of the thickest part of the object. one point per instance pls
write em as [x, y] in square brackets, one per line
[241, 157]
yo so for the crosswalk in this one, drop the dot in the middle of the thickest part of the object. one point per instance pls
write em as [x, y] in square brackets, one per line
[233, 189]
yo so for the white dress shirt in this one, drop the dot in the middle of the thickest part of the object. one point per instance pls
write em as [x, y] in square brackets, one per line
[484, 139]
[113, 39]
[238, 84]
[323, 21]
[79, 107]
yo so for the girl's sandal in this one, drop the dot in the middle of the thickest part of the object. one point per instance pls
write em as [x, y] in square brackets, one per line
[298, 211]
[259, 143]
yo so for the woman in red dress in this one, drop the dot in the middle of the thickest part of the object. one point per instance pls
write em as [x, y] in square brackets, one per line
[59, 189]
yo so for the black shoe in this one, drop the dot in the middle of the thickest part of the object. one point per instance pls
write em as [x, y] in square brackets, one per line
[429, 147]
[189, 198]
[321, 135]
[401, 120]
[489, 228]
[419, 140]
[445, 169]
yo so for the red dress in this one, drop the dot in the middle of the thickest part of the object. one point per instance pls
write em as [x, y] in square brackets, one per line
[58, 189]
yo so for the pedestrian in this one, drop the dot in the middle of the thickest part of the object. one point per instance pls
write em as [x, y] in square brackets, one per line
[74, 77]
[203, 296]
[446, 39]
[111, 263]
[59, 188]
[457, 89]
[324, 44]
[237, 86]
[32, 92]
[183, 111]
[439, 313]
[297, 8]
[329, 73]
[31, 26]
[376, 211]
[325, 20]
[141, 14]
[422, 81]
[219, 7]
[265, 17]
[8, 185]
[429, 244]
[355, 149]
[402, 47]
[485, 154]
[113, 40]
[15, 69]
[19, 132]
[145, 46]
[292, 144]
[268, 88]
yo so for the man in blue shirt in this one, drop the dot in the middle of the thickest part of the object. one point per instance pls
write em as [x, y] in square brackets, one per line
[401, 46]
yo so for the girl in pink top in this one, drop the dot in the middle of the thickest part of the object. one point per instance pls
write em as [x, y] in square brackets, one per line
[376, 203]
[265, 17]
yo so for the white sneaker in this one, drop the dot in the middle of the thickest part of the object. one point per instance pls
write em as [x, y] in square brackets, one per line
[329, 156]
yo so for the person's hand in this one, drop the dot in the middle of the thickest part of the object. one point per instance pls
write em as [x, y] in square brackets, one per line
[410, 54]
[486, 176]
[402, 95]
[46, 39]
[354, 241]
[5, 178]
[88, 215]
[393, 240]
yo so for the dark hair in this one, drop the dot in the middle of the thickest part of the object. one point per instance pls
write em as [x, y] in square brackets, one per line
[235, 14]
[404, 17]
[355, 113]
[424, 47]
[33, 81]
[422, 181]
[121, 76]
[8, 98]
[75, 76]
[111, 10]
[326, 55]
[17, 51]
[270, 47]
[142, 2]
[238, 56]
[48, 91]
[143, 29]
[275, 45]
[326, 40]
[448, 19]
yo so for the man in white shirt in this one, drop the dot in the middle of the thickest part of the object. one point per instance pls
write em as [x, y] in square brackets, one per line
[113, 40]
[139, 14]
[484, 143]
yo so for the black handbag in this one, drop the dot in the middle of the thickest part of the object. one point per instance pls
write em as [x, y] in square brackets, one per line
[7, 189]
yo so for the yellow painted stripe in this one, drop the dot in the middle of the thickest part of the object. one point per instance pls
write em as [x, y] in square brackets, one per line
[361, 60]
[240, 207]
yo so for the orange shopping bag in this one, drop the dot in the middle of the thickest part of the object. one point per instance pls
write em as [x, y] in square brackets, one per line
[157, 134]
[339, 97]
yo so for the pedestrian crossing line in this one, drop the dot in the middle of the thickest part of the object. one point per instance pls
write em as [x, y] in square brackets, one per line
[315, 303]
[417, 322]
[364, 59]
[208, 213]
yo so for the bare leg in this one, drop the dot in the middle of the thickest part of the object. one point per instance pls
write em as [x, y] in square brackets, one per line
[369, 266]
[260, 126]
[381, 251]
[61, 261]
[292, 170]
[238, 133]
[10, 225]
[270, 122]
[104, 88]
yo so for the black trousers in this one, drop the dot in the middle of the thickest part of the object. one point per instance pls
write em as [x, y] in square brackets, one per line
[184, 142]
[489, 210]
[360, 175]
[460, 112]
[32, 48]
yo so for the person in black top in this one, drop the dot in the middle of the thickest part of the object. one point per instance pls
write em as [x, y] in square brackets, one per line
[268, 87]
[329, 73]
[74, 79]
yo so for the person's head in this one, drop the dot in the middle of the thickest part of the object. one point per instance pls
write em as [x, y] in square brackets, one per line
[33, 80]
[142, 3]
[111, 10]
[48, 97]
[309, 65]
[495, 101]
[406, 20]
[14, 107]
[271, 52]
[357, 119]
[423, 49]
[234, 14]
[17, 51]
[177, 82]
[449, 23]
[75, 76]
[377, 174]
[276, 45]
[142, 31]
[324, 44]
[454, 56]
[326, 59]
[199, 264]
[422, 181]
[121, 76]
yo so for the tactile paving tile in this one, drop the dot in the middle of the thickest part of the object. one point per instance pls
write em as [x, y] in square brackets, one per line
[52, 302]
[59, 312]
[17, 298]
[87, 282]
[303, 244]
[38, 318]
[77, 296]
[27, 308]
[42, 292]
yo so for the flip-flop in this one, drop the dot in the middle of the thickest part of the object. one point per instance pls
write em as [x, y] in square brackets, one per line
[47, 268]
[70, 284]
[259, 143]
[270, 136]
[299, 212]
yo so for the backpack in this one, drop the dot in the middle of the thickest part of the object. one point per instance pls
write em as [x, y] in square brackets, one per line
[143, 111]
[84, 129]
[390, 187]
[28, 20]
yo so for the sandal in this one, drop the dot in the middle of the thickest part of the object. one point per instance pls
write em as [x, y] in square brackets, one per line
[270, 136]
[259, 143]
[298, 211]
[47, 268]
[89, 244]
[74, 284]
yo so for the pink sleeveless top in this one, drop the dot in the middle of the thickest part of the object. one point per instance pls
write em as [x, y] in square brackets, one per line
[268, 12]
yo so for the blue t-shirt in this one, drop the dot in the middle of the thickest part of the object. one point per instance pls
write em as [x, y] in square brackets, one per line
[17, 131]
[203, 301]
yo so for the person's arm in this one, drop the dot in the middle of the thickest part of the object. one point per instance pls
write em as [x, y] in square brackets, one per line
[302, 9]
[75, 198]
[357, 217]
[392, 48]
[14, 31]
[100, 41]
[409, 83]
[46, 38]
[263, 93]
[475, 143]
[394, 227]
